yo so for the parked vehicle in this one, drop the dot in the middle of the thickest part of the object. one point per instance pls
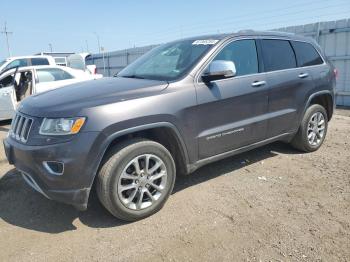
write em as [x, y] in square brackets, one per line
[181, 106]
[78, 61]
[18, 83]
[23, 61]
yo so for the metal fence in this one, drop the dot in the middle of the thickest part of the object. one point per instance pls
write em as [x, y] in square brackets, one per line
[111, 63]
[333, 37]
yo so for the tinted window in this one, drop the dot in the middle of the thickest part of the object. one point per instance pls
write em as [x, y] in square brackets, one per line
[243, 54]
[17, 63]
[306, 54]
[39, 61]
[52, 74]
[278, 55]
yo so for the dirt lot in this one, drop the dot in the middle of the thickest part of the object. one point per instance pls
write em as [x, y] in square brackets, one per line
[271, 204]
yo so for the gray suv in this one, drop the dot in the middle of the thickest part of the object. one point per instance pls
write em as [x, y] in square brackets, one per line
[182, 105]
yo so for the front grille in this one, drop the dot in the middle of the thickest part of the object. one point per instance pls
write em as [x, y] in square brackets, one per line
[20, 127]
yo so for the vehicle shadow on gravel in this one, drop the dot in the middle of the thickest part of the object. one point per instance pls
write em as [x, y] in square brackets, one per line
[23, 207]
[5, 125]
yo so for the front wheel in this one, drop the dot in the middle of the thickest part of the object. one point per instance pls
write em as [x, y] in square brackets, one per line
[312, 130]
[136, 179]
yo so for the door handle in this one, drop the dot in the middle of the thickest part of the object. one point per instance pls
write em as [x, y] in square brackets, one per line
[303, 75]
[6, 93]
[258, 83]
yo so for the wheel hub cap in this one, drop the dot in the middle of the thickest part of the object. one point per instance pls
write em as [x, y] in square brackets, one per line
[316, 129]
[142, 182]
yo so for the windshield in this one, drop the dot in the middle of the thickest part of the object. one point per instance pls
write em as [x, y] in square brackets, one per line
[169, 61]
[2, 62]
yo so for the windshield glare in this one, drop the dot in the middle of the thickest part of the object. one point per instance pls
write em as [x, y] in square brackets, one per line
[167, 62]
[2, 62]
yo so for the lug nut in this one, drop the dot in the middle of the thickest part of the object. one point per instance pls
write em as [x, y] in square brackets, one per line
[136, 181]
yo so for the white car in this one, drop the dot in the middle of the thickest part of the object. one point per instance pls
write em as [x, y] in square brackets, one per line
[23, 61]
[18, 83]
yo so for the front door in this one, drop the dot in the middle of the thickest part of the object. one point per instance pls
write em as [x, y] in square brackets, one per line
[232, 112]
[7, 102]
[7, 96]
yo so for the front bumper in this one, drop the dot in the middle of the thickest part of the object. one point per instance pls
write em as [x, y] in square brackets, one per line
[78, 157]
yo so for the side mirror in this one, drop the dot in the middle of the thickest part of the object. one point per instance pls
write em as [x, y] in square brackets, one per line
[219, 69]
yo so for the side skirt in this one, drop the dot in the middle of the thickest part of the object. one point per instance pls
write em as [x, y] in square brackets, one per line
[283, 137]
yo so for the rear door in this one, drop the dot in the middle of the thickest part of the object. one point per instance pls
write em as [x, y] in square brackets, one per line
[232, 112]
[287, 83]
[51, 78]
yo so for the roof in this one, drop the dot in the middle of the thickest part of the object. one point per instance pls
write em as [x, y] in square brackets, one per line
[23, 57]
[250, 33]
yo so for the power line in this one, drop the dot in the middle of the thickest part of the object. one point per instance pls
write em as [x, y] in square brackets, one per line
[230, 20]
[260, 22]
[7, 33]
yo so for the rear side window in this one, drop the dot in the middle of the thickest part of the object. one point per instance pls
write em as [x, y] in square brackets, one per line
[306, 54]
[52, 74]
[278, 55]
[243, 53]
[39, 61]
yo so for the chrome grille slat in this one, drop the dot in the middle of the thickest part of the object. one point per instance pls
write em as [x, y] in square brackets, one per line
[21, 127]
[24, 127]
[14, 125]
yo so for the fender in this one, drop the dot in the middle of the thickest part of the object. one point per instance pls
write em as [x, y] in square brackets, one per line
[313, 95]
[108, 140]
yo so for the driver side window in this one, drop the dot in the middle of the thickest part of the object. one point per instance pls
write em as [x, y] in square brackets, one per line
[244, 55]
[6, 81]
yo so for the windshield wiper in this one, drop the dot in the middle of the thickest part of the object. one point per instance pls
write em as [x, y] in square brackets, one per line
[133, 76]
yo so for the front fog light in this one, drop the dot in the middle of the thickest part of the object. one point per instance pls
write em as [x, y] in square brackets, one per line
[61, 126]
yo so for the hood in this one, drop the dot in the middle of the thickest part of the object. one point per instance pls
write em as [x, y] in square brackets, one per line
[71, 99]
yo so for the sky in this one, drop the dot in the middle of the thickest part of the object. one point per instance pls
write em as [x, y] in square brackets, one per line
[75, 25]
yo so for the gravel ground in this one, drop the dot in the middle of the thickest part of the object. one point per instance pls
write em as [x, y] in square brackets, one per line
[270, 204]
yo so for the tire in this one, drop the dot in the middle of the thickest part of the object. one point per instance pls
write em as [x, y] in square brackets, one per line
[301, 140]
[120, 164]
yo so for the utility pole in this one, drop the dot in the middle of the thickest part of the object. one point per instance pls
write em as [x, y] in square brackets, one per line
[87, 46]
[98, 42]
[7, 33]
[50, 46]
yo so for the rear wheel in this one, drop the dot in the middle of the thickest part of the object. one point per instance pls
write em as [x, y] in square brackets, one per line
[312, 130]
[136, 179]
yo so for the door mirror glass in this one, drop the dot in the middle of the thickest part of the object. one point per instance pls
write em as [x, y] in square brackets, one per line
[219, 69]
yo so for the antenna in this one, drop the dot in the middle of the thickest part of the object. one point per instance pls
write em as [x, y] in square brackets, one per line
[7, 33]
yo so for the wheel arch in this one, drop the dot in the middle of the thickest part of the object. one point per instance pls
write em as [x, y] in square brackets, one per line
[324, 98]
[164, 133]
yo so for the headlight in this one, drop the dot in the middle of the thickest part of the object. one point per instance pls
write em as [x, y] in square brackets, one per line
[61, 126]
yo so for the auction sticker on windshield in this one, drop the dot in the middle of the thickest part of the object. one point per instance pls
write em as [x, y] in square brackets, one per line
[205, 42]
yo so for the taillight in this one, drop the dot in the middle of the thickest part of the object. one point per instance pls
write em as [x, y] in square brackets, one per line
[336, 73]
[95, 71]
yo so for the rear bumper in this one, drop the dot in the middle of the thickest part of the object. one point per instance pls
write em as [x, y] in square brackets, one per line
[79, 160]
